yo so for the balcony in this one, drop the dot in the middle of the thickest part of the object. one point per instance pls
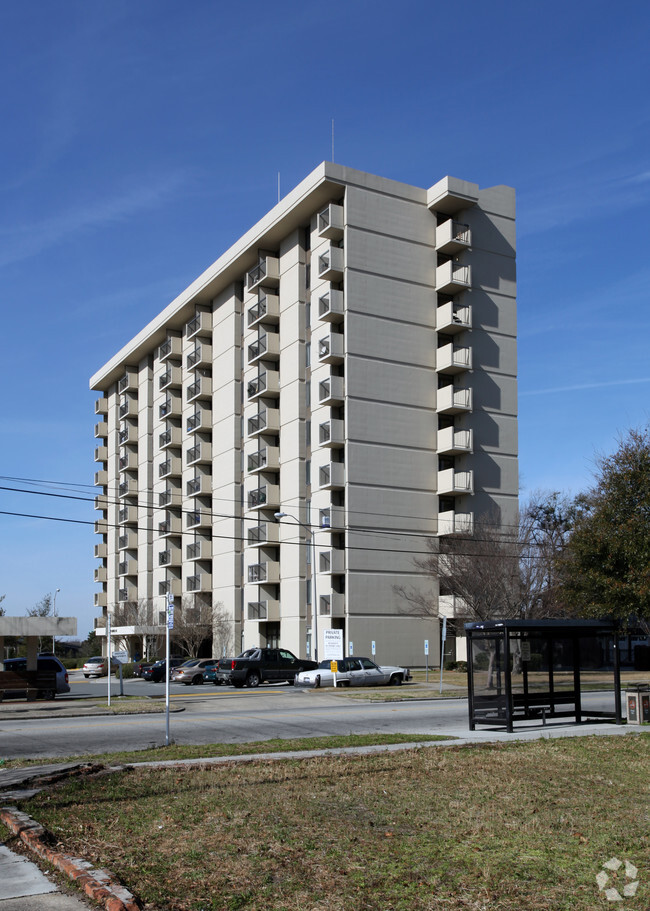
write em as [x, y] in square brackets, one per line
[451, 522]
[128, 540]
[265, 274]
[199, 486]
[452, 317]
[127, 515]
[201, 388]
[198, 518]
[101, 478]
[128, 407]
[171, 556]
[266, 458]
[101, 454]
[101, 430]
[332, 605]
[171, 407]
[331, 561]
[332, 518]
[265, 347]
[200, 452]
[101, 502]
[267, 573]
[171, 378]
[331, 391]
[265, 310]
[455, 483]
[452, 237]
[128, 382]
[454, 442]
[331, 264]
[267, 382]
[128, 461]
[127, 488]
[172, 347]
[166, 497]
[331, 222]
[127, 568]
[201, 356]
[172, 586]
[199, 582]
[452, 277]
[264, 497]
[331, 476]
[101, 527]
[101, 551]
[128, 433]
[100, 574]
[267, 420]
[201, 324]
[452, 400]
[201, 420]
[127, 593]
[331, 306]
[100, 599]
[171, 436]
[266, 533]
[171, 466]
[450, 195]
[331, 349]
[199, 550]
[451, 358]
[171, 525]
[331, 434]
[263, 610]
[101, 406]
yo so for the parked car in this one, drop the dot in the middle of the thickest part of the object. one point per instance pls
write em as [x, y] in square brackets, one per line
[53, 675]
[256, 665]
[191, 672]
[97, 666]
[220, 673]
[156, 672]
[139, 666]
[354, 672]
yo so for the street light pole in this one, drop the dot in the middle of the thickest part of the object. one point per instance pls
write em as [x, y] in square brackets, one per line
[54, 615]
[314, 595]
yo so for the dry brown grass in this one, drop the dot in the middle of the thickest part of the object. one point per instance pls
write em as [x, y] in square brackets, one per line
[512, 827]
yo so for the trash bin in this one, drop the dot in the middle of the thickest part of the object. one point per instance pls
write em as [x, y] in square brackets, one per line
[637, 701]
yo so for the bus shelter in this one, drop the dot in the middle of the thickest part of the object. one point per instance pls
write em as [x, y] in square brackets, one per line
[523, 670]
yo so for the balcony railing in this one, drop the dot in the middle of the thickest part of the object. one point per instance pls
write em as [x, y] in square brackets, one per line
[331, 265]
[171, 347]
[201, 323]
[256, 497]
[330, 222]
[266, 272]
[452, 236]
[453, 359]
[257, 572]
[330, 349]
[330, 306]
[452, 277]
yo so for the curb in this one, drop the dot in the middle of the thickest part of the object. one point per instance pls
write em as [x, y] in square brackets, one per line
[100, 885]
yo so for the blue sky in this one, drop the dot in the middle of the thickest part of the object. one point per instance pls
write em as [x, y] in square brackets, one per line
[141, 139]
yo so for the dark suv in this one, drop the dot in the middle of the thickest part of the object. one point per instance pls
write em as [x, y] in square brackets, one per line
[52, 676]
[274, 665]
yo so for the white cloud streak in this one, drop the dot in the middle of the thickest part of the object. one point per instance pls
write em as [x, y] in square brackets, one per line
[582, 386]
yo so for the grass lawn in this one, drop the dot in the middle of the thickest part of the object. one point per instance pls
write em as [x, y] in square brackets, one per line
[509, 827]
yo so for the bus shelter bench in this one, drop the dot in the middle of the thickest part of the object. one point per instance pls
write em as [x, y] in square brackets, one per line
[525, 706]
[31, 683]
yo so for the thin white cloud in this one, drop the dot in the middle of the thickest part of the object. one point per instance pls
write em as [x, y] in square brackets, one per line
[27, 240]
[581, 386]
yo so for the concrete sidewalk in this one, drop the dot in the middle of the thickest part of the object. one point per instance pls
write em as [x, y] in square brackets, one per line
[23, 887]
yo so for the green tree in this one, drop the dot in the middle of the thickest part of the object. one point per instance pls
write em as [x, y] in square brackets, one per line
[605, 570]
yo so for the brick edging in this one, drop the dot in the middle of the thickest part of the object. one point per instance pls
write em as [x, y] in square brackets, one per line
[100, 885]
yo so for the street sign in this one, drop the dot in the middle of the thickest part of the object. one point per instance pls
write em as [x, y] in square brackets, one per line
[351, 647]
[121, 656]
[374, 648]
[426, 646]
[332, 644]
[170, 617]
[334, 667]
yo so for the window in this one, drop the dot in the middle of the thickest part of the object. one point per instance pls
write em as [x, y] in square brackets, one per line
[308, 354]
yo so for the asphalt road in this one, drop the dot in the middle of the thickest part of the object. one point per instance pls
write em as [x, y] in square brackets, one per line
[225, 715]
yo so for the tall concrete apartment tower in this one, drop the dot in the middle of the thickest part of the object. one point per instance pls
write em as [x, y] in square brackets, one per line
[349, 362]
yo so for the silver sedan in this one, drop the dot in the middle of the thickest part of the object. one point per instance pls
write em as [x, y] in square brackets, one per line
[354, 672]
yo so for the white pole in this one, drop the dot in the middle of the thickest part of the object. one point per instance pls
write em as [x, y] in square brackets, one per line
[169, 603]
[314, 593]
[108, 646]
[442, 648]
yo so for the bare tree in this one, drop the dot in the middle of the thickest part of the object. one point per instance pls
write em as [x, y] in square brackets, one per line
[145, 618]
[193, 623]
[222, 631]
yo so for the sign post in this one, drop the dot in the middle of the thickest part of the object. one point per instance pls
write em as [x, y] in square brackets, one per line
[119, 656]
[169, 625]
[426, 652]
[108, 652]
[442, 648]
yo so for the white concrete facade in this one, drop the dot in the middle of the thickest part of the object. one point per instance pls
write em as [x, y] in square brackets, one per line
[351, 361]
